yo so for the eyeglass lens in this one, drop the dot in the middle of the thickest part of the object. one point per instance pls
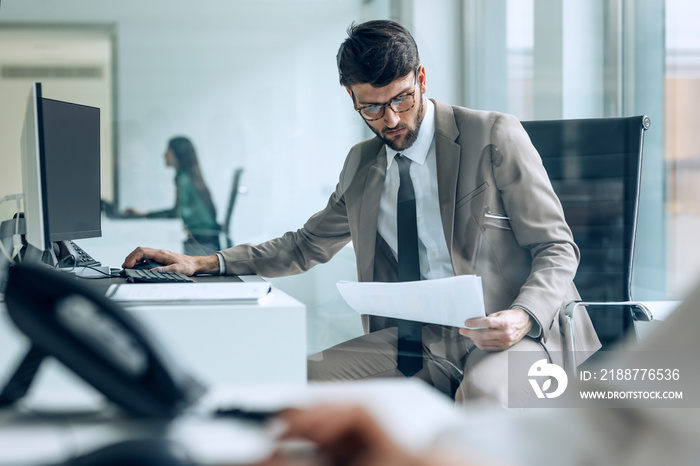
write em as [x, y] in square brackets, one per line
[398, 105]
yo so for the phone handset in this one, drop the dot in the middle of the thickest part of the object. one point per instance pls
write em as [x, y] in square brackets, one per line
[98, 340]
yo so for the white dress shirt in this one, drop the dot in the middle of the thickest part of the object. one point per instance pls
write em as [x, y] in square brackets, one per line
[432, 249]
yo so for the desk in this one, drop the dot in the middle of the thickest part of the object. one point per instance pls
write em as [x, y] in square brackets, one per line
[219, 343]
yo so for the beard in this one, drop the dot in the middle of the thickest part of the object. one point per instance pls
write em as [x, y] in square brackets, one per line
[398, 144]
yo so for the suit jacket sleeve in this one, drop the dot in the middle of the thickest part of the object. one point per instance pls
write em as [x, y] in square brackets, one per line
[537, 221]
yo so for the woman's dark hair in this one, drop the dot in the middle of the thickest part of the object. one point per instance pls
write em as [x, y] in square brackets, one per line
[376, 52]
[186, 157]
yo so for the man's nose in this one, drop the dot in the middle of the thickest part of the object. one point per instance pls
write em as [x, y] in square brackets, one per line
[391, 119]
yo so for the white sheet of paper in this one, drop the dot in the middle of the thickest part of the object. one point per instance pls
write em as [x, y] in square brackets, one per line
[445, 301]
[186, 293]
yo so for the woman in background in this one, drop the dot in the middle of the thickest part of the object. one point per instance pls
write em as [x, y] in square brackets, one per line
[193, 202]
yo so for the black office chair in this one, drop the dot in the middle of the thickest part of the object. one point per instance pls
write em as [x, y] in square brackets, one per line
[235, 190]
[595, 168]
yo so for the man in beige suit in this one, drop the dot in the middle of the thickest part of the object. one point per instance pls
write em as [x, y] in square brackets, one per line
[484, 205]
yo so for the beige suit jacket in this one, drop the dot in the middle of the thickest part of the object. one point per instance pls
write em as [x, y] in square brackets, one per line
[501, 219]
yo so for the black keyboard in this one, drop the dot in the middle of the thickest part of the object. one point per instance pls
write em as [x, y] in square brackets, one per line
[154, 276]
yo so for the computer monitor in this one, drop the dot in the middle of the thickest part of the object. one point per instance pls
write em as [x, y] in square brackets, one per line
[60, 171]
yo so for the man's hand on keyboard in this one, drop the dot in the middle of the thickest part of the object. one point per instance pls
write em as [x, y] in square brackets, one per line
[173, 262]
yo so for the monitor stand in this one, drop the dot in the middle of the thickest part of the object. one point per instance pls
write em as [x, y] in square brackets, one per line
[62, 254]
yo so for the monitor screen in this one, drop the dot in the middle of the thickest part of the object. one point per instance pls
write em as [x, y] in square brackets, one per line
[61, 170]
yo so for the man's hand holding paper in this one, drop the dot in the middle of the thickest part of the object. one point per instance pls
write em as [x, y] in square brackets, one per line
[500, 330]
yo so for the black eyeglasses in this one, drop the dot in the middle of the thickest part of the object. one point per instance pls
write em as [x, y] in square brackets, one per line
[399, 104]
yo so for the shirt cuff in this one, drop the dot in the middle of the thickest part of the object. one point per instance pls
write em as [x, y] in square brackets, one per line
[222, 263]
[536, 330]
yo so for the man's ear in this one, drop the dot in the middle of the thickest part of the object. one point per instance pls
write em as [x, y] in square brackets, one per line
[421, 79]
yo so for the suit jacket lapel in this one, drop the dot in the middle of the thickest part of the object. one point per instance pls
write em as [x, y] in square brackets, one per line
[369, 213]
[447, 153]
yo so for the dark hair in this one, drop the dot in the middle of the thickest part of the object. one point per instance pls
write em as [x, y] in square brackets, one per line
[186, 157]
[376, 52]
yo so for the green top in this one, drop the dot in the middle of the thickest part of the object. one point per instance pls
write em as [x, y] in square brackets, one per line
[191, 207]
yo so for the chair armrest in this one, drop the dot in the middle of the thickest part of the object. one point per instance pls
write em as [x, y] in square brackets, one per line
[639, 310]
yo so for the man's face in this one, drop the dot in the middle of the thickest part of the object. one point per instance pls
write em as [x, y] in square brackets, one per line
[397, 130]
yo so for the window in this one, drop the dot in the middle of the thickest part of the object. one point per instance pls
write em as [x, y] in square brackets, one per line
[682, 142]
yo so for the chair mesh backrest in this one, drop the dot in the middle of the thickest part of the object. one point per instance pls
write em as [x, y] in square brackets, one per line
[595, 166]
[235, 185]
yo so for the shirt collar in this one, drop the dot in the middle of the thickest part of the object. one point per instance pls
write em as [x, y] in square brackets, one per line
[418, 152]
